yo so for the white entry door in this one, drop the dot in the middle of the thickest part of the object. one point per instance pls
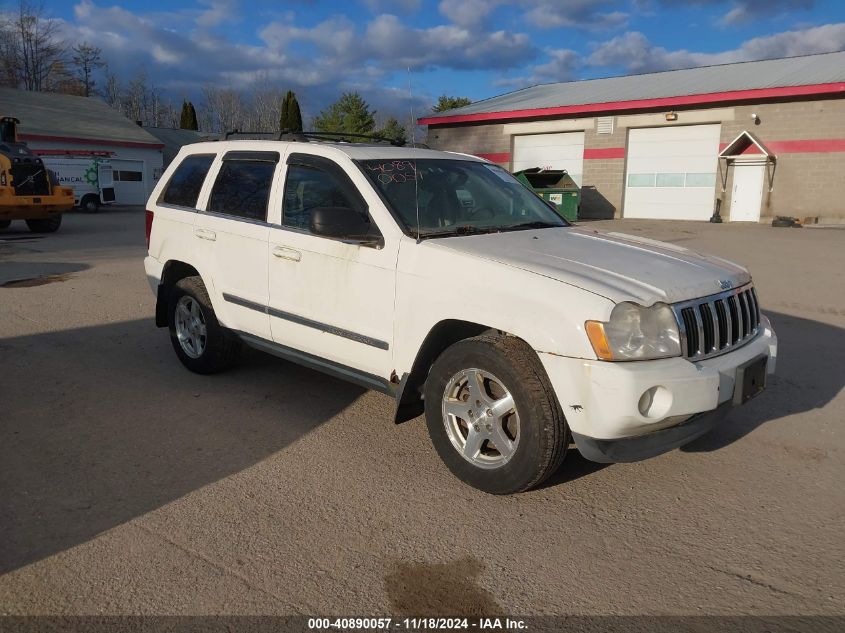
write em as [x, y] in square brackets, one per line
[550, 151]
[747, 192]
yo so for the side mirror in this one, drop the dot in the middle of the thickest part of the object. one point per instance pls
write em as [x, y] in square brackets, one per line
[340, 222]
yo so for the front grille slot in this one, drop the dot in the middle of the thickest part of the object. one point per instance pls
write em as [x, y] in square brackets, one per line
[732, 308]
[715, 324]
[688, 315]
[708, 327]
[722, 318]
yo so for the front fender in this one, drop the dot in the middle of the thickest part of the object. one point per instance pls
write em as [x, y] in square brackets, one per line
[434, 285]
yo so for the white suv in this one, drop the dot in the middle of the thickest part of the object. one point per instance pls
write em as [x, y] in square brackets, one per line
[440, 280]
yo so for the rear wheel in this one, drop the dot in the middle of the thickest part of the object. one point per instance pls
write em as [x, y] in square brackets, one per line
[4, 224]
[199, 340]
[492, 414]
[45, 225]
[90, 204]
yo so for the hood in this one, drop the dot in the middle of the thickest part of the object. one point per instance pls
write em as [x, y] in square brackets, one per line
[617, 266]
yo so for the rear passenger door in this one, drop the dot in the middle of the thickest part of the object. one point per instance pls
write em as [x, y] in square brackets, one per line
[231, 234]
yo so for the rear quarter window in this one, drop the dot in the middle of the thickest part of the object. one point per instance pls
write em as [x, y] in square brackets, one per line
[184, 186]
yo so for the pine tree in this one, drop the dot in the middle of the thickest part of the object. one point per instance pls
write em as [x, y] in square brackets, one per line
[193, 124]
[295, 114]
[392, 130]
[183, 117]
[445, 102]
[349, 115]
[291, 118]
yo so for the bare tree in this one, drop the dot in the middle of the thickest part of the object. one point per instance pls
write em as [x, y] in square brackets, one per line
[112, 90]
[169, 115]
[9, 75]
[37, 49]
[223, 111]
[264, 110]
[87, 58]
[136, 98]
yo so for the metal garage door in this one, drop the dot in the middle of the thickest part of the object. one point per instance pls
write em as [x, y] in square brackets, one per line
[671, 172]
[129, 185]
[550, 151]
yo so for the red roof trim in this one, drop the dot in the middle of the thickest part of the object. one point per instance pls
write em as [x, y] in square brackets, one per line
[663, 102]
[813, 146]
[500, 157]
[604, 152]
[803, 146]
[89, 141]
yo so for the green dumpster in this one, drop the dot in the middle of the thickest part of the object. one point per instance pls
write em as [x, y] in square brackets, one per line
[555, 186]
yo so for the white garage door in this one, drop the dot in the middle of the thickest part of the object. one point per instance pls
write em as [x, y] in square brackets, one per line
[671, 172]
[129, 185]
[550, 151]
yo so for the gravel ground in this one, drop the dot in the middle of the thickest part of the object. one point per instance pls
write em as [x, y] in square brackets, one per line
[130, 486]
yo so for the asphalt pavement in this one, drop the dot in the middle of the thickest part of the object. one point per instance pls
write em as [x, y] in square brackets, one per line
[130, 486]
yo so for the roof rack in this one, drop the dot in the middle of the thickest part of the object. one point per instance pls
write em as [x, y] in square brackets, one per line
[306, 137]
[270, 136]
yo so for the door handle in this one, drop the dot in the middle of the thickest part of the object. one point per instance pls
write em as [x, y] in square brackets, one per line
[283, 252]
[205, 234]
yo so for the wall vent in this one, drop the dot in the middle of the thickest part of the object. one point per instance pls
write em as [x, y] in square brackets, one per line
[604, 125]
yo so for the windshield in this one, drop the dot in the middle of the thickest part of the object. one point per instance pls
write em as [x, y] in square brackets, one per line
[458, 197]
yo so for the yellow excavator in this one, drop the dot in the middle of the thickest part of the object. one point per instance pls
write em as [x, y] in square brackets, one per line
[28, 190]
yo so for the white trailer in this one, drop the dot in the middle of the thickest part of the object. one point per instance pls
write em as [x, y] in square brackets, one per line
[91, 178]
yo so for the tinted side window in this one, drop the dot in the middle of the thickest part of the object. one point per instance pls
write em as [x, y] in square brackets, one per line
[242, 189]
[307, 188]
[186, 182]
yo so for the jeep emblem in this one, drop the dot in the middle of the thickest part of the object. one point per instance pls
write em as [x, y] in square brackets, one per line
[725, 284]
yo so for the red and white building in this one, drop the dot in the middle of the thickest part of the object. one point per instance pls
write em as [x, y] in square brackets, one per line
[66, 125]
[753, 140]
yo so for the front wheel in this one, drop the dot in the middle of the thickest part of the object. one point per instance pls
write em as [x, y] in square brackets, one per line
[492, 414]
[46, 225]
[199, 340]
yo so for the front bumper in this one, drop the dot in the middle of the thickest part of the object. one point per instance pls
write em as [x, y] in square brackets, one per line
[634, 449]
[603, 401]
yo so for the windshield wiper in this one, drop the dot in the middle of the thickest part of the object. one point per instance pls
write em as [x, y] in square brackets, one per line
[537, 224]
[463, 229]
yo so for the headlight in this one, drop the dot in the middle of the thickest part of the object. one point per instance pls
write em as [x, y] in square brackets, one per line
[636, 333]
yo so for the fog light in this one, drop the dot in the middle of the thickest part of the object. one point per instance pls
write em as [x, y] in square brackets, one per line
[655, 402]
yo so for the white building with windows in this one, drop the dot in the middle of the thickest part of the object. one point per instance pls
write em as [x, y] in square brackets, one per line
[66, 125]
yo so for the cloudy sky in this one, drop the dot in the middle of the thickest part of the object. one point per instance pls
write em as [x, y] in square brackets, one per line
[473, 48]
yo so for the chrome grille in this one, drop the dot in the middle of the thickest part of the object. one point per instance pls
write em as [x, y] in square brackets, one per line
[714, 325]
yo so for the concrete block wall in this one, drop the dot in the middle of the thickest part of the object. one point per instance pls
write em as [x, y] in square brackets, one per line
[808, 138]
[805, 183]
[484, 140]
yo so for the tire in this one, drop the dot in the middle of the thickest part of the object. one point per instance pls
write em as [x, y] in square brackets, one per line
[535, 425]
[46, 225]
[4, 224]
[213, 350]
[90, 204]
[781, 222]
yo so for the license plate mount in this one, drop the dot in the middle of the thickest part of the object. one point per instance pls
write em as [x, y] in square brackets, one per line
[750, 379]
